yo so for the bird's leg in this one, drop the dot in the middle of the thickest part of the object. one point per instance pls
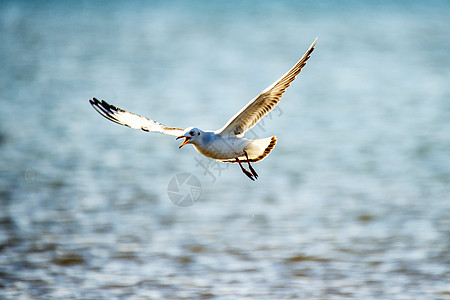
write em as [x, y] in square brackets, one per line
[249, 175]
[250, 166]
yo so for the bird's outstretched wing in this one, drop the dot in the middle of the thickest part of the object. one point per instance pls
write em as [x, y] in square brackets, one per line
[259, 106]
[126, 118]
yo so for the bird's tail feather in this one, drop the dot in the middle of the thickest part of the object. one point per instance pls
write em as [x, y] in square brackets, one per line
[257, 150]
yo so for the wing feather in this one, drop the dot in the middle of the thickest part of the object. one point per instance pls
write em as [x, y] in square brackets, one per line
[132, 120]
[259, 106]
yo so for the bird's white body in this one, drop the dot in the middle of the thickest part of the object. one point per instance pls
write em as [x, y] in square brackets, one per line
[226, 148]
[228, 143]
[217, 147]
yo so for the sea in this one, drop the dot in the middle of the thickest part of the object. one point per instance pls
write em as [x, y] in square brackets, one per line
[352, 203]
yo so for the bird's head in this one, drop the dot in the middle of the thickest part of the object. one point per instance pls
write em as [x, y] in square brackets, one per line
[191, 135]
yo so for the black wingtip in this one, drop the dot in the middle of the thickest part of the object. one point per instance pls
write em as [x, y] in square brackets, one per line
[106, 110]
[93, 101]
[103, 105]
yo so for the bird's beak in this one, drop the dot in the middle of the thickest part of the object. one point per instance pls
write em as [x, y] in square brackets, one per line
[186, 140]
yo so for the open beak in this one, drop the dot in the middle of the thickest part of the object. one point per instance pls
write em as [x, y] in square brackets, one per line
[186, 140]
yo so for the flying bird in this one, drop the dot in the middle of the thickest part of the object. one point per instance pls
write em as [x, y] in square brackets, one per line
[228, 143]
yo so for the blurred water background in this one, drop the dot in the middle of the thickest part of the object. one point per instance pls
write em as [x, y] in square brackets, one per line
[352, 203]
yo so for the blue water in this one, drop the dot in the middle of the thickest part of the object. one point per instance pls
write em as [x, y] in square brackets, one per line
[352, 203]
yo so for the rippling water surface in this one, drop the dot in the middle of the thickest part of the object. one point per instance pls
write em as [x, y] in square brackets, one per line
[352, 203]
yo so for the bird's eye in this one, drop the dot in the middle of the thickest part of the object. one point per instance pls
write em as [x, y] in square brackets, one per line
[192, 132]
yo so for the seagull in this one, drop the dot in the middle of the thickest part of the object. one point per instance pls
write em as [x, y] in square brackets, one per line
[228, 143]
